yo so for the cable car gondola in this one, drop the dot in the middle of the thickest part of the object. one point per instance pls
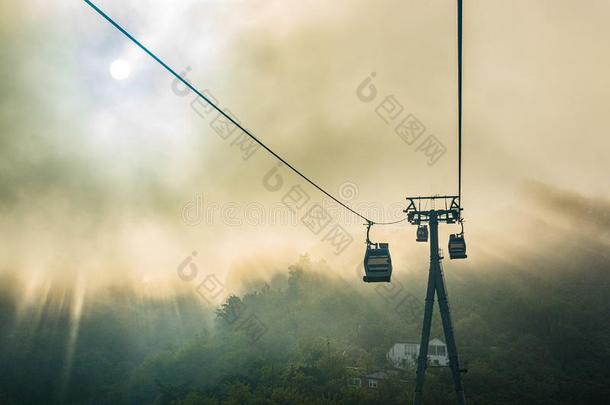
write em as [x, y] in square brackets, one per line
[422, 233]
[377, 261]
[457, 245]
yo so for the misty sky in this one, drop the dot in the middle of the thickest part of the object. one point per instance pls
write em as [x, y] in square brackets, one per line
[96, 172]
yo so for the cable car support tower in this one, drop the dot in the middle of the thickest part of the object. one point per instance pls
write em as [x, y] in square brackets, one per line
[450, 213]
[436, 285]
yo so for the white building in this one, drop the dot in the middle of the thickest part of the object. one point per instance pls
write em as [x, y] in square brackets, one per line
[404, 354]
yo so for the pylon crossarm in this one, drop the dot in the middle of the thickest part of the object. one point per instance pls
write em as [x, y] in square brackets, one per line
[451, 213]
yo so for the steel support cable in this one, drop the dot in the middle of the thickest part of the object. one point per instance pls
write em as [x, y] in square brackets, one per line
[228, 117]
[459, 29]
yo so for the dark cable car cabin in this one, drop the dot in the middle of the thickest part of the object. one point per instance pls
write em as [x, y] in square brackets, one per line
[457, 246]
[377, 261]
[422, 233]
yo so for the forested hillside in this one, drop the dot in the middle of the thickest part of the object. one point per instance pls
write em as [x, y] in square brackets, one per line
[525, 338]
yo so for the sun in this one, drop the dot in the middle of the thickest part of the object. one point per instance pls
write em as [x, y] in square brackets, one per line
[120, 69]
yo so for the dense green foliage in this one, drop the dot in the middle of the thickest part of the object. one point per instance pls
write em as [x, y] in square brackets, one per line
[525, 339]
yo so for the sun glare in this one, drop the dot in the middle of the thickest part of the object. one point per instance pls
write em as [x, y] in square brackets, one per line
[120, 69]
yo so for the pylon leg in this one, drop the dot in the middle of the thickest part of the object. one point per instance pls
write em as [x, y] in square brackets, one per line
[454, 364]
[422, 359]
[436, 284]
